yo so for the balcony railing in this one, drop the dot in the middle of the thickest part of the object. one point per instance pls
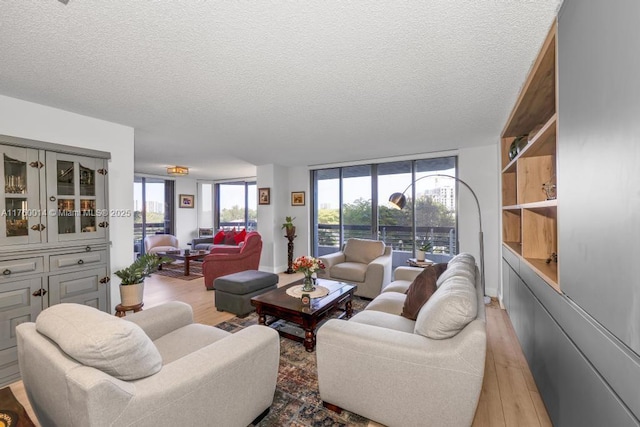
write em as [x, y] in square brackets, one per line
[400, 238]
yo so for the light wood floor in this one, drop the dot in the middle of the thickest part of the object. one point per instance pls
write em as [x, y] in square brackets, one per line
[509, 394]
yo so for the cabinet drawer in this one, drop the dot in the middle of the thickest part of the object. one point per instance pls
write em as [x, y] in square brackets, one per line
[75, 260]
[20, 267]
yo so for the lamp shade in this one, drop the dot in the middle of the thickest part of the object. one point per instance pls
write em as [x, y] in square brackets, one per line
[397, 200]
[178, 170]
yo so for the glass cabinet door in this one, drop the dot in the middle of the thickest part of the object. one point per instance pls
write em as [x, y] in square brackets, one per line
[21, 221]
[76, 194]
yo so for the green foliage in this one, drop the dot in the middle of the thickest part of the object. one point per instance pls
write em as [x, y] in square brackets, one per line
[288, 222]
[140, 269]
[235, 213]
[425, 246]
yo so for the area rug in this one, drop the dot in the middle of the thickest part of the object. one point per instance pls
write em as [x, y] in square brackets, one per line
[12, 413]
[176, 270]
[297, 399]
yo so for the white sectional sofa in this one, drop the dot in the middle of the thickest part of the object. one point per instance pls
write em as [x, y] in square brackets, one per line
[401, 372]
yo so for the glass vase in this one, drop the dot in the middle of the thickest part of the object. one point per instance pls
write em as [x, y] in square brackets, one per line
[307, 284]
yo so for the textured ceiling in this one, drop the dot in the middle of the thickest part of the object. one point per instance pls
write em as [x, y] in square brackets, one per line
[223, 86]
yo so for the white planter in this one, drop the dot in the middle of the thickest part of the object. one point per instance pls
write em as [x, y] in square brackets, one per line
[131, 294]
[420, 255]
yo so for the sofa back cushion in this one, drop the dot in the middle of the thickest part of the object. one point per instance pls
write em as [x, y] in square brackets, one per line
[362, 250]
[449, 309]
[421, 289]
[100, 340]
[463, 270]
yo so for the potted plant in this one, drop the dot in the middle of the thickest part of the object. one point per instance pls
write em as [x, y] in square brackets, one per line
[132, 277]
[289, 227]
[422, 248]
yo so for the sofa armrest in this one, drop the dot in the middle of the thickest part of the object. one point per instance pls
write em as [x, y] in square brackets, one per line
[406, 273]
[410, 367]
[329, 260]
[160, 320]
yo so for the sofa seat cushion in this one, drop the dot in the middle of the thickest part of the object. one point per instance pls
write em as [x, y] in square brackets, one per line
[384, 320]
[156, 249]
[97, 339]
[186, 340]
[363, 251]
[349, 271]
[203, 246]
[448, 310]
[400, 286]
[388, 302]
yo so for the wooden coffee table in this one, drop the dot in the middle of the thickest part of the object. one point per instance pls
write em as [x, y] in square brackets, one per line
[279, 305]
[181, 256]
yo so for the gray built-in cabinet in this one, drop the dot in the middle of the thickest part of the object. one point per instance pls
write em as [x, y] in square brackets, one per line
[54, 239]
[578, 322]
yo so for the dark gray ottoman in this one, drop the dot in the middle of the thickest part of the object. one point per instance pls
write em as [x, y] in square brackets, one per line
[233, 292]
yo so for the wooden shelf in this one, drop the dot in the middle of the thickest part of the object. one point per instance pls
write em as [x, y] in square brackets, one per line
[542, 144]
[548, 272]
[537, 100]
[529, 221]
[515, 247]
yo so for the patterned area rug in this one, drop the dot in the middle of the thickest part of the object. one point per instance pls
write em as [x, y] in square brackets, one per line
[297, 400]
[176, 269]
[12, 413]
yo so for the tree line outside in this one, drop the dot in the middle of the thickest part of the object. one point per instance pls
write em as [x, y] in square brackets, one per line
[396, 223]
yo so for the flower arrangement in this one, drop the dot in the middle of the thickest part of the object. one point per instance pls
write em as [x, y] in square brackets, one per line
[307, 265]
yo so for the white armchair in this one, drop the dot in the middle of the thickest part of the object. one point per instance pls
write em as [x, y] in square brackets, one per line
[365, 263]
[83, 367]
[160, 243]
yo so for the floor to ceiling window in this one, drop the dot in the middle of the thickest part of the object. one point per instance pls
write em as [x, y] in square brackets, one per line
[353, 202]
[237, 205]
[153, 209]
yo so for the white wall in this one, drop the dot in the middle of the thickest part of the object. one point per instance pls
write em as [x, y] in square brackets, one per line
[478, 167]
[34, 121]
[186, 218]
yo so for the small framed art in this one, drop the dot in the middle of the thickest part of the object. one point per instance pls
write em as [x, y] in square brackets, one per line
[186, 200]
[297, 198]
[264, 196]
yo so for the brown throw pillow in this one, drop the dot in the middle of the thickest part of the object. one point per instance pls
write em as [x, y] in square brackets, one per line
[421, 289]
[230, 237]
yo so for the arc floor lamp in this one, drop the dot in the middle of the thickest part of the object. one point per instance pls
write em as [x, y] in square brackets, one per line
[398, 200]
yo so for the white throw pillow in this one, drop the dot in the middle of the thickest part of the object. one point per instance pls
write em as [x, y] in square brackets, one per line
[449, 310]
[100, 340]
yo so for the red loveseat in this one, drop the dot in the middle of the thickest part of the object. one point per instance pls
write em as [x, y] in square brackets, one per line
[221, 262]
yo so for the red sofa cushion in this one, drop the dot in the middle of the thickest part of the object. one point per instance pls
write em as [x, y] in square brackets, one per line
[218, 238]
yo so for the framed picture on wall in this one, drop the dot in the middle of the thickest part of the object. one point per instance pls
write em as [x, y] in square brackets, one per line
[187, 200]
[297, 198]
[264, 196]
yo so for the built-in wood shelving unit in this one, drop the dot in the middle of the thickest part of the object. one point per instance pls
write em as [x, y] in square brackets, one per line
[529, 219]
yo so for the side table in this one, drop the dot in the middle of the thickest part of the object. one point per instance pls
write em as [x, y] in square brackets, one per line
[121, 310]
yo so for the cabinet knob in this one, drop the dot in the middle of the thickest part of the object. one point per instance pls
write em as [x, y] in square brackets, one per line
[52, 198]
[105, 279]
[88, 249]
[80, 262]
[6, 272]
[38, 227]
[40, 292]
[104, 224]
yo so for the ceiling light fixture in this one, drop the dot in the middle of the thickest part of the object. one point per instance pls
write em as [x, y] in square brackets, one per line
[178, 170]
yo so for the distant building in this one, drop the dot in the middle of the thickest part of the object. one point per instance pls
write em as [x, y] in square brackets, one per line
[445, 196]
